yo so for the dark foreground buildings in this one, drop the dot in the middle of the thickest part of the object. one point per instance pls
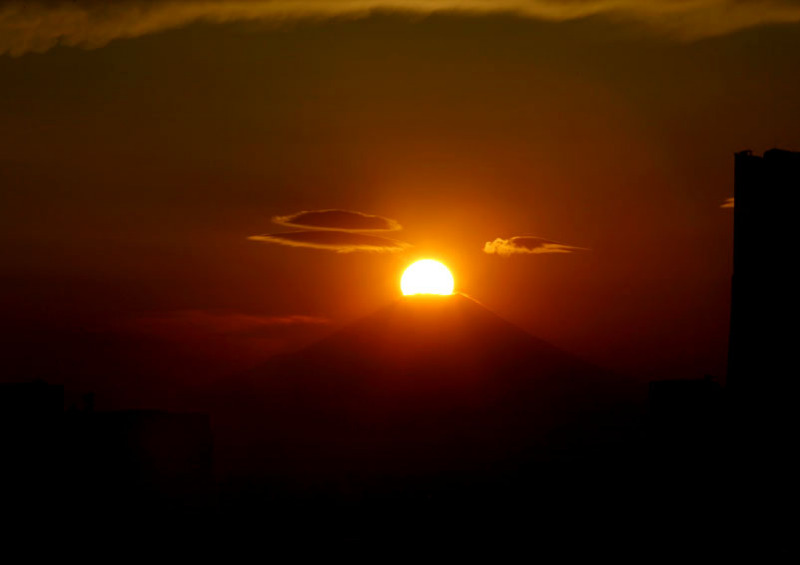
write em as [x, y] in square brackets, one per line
[139, 457]
[96, 463]
[31, 443]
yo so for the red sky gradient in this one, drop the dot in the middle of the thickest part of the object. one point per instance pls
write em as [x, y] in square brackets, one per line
[134, 173]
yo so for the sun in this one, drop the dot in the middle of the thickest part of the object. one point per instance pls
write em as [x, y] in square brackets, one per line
[427, 277]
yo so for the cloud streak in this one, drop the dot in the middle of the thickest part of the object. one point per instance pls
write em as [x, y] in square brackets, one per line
[213, 342]
[527, 245]
[39, 25]
[222, 323]
[338, 241]
[728, 203]
[342, 220]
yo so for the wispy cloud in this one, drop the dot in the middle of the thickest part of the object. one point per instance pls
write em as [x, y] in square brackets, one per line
[38, 25]
[221, 323]
[198, 342]
[527, 245]
[728, 203]
[343, 220]
[338, 241]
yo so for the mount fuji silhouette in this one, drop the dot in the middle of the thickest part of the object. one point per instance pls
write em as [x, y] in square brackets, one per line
[428, 383]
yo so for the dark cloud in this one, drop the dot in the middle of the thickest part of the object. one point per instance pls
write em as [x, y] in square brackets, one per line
[39, 25]
[339, 241]
[728, 203]
[345, 220]
[527, 245]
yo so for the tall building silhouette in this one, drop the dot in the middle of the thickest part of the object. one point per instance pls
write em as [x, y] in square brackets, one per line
[761, 354]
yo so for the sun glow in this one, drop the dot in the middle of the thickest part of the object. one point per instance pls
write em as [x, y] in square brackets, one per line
[427, 277]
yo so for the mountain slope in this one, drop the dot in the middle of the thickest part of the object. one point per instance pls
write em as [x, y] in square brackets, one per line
[427, 382]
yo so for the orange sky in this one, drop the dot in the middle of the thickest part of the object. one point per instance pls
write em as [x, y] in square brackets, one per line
[133, 174]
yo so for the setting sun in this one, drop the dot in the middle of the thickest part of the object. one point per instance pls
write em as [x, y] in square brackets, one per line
[427, 277]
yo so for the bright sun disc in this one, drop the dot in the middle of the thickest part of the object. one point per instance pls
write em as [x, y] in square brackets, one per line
[427, 277]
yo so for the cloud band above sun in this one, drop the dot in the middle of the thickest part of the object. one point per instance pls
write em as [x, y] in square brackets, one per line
[38, 25]
[342, 220]
[527, 245]
[338, 241]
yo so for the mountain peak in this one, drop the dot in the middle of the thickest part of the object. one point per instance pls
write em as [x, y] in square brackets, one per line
[430, 376]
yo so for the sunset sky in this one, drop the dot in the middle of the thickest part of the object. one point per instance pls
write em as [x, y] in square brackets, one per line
[569, 161]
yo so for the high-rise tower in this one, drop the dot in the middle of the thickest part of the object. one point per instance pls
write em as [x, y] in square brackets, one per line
[763, 349]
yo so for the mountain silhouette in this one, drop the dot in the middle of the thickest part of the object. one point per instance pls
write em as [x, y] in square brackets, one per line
[426, 383]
